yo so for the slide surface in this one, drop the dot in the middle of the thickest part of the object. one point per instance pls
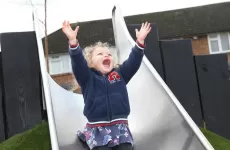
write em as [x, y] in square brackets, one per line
[157, 119]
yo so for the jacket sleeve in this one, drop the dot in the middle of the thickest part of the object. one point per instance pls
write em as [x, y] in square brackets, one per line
[130, 66]
[79, 65]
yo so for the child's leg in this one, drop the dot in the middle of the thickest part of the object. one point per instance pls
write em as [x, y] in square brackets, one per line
[123, 146]
[102, 148]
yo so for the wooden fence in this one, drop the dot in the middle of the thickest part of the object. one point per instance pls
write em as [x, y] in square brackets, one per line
[20, 79]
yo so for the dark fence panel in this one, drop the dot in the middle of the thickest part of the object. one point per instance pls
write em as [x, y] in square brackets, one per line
[22, 85]
[2, 131]
[152, 51]
[180, 75]
[215, 92]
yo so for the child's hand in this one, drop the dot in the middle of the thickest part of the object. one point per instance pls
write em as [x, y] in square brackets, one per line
[71, 34]
[144, 31]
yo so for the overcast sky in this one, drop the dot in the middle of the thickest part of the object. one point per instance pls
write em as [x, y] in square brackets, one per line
[16, 14]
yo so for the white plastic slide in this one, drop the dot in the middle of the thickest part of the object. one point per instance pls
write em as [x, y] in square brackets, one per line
[157, 120]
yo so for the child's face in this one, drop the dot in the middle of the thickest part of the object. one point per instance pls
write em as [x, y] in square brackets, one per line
[102, 60]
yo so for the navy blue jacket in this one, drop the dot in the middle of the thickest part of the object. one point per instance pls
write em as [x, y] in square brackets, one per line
[105, 97]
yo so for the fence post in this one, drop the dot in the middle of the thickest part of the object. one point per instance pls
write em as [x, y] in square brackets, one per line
[213, 77]
[180, 75]
[2, 122]
[22, 82]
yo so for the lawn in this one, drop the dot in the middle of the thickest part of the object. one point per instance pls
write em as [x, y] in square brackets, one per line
[34, 139]
[38, 139]
[218, 142]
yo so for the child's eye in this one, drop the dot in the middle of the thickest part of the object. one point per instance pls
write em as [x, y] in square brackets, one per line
[99, 54]
[110, 55]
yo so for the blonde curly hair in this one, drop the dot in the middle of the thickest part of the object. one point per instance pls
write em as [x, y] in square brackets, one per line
[87, 51]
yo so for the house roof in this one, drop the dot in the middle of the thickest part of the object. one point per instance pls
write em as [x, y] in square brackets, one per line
[171, 24]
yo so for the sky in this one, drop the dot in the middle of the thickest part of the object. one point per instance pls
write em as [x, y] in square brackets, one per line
[16, 15]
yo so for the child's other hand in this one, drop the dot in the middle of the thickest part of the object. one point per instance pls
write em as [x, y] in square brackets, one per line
[71, 34]
[144, 31]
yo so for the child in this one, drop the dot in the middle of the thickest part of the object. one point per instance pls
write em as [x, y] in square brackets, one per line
[104, 89]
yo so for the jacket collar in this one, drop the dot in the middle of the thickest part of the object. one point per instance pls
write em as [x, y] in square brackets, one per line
[99, 73]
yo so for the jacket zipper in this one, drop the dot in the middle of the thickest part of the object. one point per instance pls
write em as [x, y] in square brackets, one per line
[109, 105]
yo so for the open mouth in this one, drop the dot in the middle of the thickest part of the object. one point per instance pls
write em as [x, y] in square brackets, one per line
[106, 62]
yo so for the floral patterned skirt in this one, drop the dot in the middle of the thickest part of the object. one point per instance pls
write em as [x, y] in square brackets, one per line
[106, 135]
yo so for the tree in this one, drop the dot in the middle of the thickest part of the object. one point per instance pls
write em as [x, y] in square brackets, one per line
[46, 39]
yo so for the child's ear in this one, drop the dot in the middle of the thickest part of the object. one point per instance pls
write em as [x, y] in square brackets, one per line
[90, 63]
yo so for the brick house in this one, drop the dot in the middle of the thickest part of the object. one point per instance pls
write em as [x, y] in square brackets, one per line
[207, 26]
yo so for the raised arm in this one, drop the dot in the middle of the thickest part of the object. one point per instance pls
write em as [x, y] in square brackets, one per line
[79, 65]
[130, 66]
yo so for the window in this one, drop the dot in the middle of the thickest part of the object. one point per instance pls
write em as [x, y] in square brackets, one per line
[59, 64]
[219, 42]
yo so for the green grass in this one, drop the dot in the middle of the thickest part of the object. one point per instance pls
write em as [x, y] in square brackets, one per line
[38, 139]
[218, 142]
[34, 139]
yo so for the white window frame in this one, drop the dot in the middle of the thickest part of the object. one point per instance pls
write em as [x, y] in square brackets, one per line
[53, 60]
[60, 58]
[219, 43]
